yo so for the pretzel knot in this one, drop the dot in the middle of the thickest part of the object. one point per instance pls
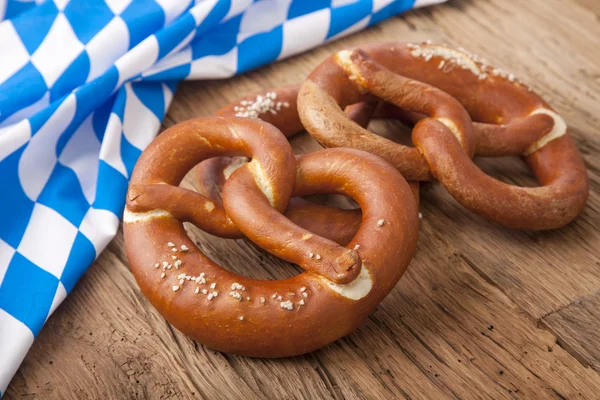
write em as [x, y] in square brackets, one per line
[434, 81]
[245, 316]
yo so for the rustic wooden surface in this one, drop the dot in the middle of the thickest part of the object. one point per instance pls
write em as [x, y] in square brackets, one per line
[483, 311]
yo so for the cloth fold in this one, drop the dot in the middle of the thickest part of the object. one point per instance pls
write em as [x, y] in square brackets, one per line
[84, 86]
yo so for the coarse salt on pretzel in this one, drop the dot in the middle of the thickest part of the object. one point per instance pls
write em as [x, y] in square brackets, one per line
[506, 111]
[265, 318]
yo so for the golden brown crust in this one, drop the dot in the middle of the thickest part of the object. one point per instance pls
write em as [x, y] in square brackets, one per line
[511, 120]
[268, 318]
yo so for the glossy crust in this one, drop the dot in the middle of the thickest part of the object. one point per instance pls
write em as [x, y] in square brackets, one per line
[266, 318]
[510, 118]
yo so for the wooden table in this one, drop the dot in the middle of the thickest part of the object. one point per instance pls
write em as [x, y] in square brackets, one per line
[483, 311]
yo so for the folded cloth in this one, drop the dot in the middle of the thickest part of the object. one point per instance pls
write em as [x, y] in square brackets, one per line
[84, 86]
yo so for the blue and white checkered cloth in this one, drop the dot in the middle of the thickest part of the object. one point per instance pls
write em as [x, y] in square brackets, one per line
[84, 86]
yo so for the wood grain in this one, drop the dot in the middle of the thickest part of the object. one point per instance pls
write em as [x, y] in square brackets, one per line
[483, 311]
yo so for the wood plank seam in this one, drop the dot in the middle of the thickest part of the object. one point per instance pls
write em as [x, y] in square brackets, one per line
[539, 321]
[575, 301]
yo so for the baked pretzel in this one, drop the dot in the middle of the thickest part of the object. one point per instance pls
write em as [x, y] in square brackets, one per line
[250, 317]
[512, 118]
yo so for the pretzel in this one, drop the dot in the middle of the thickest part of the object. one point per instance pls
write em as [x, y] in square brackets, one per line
[512, 118]
[250, 317]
